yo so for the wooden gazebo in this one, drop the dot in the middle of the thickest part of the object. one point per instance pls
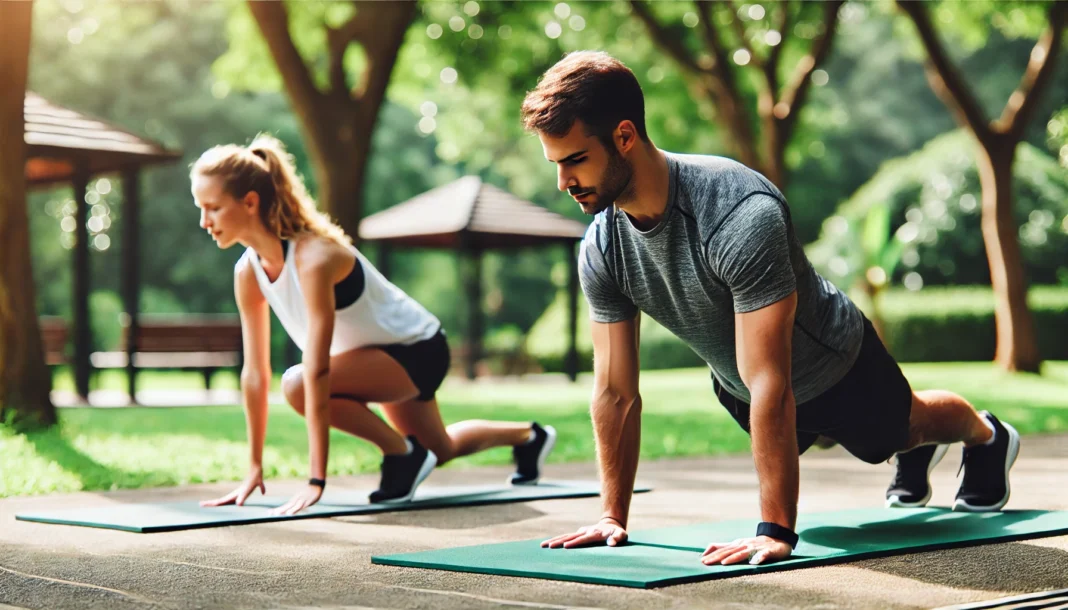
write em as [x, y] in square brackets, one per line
[64, 146]
[471, 217]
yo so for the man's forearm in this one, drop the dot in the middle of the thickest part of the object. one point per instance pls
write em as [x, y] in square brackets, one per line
[617, 428]
[773, 426]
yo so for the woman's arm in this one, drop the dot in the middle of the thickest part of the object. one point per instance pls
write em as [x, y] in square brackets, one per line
[255, 378]
[256, 371]
[320, 264]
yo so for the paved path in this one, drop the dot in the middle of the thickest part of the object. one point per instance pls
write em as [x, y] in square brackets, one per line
[325, 563]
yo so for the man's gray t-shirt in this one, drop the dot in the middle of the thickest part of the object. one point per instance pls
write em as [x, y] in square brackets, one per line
[725, 245]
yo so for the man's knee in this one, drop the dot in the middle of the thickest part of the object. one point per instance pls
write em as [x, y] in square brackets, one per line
[293, 387]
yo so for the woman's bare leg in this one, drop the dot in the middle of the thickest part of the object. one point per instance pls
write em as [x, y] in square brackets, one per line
[357, 377]
[423, 420]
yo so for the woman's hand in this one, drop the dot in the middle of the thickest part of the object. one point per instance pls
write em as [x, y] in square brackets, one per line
[239, 495]
[299, 502]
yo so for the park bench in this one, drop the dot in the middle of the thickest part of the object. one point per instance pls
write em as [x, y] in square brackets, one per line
[54, 334]
[205, 343]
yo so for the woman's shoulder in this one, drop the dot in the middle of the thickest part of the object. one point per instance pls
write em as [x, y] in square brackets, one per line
[314, 252]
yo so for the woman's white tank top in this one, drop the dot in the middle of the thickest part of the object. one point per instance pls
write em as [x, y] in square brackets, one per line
[382, 315]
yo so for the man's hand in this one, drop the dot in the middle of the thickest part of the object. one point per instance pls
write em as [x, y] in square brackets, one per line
[238, 496]
[758, 550]
[299, 502]
[606, 530]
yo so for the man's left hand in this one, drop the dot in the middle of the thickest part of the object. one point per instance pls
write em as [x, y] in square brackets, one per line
[758, 550]
[299, 502]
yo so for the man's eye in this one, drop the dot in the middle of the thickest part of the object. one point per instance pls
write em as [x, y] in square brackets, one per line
[576, 161]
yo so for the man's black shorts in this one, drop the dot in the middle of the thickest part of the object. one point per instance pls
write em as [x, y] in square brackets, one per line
[867, 412]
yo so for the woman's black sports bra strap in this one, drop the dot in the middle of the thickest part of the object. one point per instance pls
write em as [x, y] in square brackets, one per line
[349, 289]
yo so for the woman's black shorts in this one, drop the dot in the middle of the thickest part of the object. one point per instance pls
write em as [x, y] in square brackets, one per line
[427, 362]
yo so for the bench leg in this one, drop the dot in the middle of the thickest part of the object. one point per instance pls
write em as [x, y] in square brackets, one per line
[207, 372]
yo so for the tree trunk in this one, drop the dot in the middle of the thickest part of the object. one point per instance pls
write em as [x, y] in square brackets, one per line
[774, 168]
[338, 123]
[24, 380]
[736, 119]
[1017, 348]
[340, 155]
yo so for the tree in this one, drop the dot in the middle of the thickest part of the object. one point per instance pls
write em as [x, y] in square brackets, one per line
[779, 100]
[337, 117]
[1017, 347]
[24, 380]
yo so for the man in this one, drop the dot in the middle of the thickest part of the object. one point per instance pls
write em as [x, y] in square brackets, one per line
[705, 246]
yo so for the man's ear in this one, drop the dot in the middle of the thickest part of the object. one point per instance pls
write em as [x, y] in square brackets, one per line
[625, 136]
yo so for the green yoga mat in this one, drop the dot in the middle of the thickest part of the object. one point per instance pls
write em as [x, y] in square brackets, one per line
[668, 556]
[173, 516]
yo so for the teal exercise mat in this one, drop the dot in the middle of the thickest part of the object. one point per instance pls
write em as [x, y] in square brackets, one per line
[669, 556]
[174, 516]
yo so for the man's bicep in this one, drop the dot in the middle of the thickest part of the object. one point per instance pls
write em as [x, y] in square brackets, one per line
[615, 357]
[764, 343]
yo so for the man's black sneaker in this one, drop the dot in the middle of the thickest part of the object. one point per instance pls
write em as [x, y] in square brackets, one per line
[985, 486]
[530, 456]
[911, 487]
[402, 474]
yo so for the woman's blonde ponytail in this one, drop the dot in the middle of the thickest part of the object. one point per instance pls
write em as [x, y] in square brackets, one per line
[267, 168]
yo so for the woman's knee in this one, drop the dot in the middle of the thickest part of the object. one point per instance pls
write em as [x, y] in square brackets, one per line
[293, 387]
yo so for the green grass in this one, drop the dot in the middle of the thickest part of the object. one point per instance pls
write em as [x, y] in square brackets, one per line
[96, 449]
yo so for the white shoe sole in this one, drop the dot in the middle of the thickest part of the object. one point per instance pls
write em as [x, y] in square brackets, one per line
[962, 506]
[897, 502]
[550, 442]
[424, 471]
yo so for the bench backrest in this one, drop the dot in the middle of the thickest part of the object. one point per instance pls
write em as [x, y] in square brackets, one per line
[186, 334]
[54, 333]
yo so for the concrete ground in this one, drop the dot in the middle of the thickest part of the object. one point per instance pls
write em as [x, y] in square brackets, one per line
[325, 563]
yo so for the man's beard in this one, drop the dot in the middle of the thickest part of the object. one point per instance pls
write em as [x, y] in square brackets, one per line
[613, 183]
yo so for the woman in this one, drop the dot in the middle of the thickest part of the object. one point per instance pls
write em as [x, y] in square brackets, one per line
[363, 339]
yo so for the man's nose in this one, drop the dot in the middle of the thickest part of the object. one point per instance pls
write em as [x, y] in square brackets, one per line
[563, 180]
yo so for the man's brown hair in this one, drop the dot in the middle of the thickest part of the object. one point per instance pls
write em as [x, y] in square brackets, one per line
[589, 86]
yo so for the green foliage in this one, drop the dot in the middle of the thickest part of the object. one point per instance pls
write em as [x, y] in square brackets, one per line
[970, 25]
[934, 200]
[878, 105]
[247, 64]
[957, 324]
[1057, 136]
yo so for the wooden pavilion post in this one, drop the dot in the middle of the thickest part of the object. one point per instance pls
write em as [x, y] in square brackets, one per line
[470, 258]
[131, 270]
[82, 334]
[571, 364]
[384, 265]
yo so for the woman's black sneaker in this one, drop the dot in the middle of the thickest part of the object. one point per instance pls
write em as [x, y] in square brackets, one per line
[985, 487]
[911, 487]
[530, 456]
[402, 474]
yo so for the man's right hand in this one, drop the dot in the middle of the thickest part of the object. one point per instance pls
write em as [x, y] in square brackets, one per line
[606, 530]
[239, 495]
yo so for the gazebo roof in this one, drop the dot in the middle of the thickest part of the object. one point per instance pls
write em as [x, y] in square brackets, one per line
[59, 139]
[471, 213]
